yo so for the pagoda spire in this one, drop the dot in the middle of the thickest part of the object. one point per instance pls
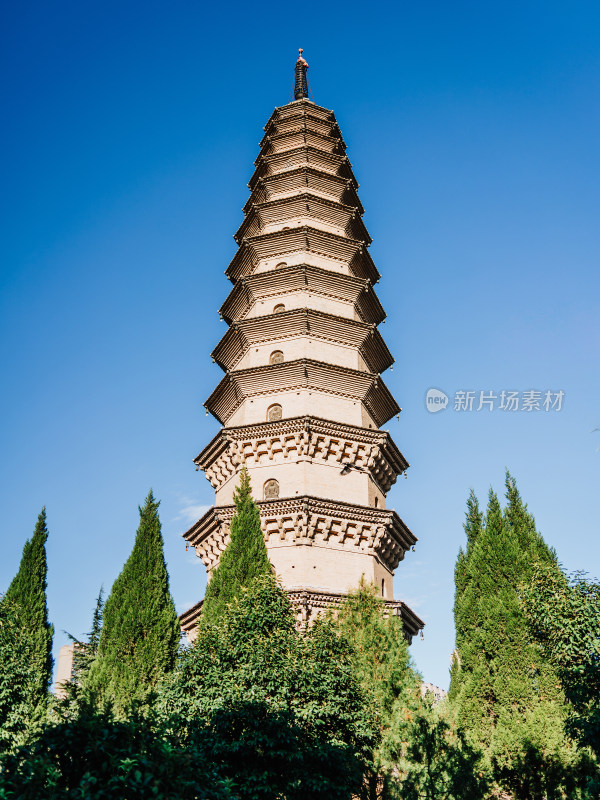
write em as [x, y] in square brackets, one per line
[301, 83]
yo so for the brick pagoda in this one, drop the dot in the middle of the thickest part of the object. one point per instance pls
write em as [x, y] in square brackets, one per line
[302, 400]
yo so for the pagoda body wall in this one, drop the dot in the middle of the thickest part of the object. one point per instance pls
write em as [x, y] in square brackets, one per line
[295, 403]
[330, 569]
[315, 479]
[303, 299]
[294, 348]
[302, 402]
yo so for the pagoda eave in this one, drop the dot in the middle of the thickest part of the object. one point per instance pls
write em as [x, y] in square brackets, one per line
[308, 323]
[308, 438]
[307, 374]
[309, 603]
[307, 423]
[304, 206]
[302, 156]
[305, 178]
[302, 137]
[303, 121]
[291, 521]
[298, 106]
[303, 277]
[302, 239]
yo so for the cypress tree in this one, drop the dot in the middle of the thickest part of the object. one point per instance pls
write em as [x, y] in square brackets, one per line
[17, 652]
[245, 557]
[140, 631]
[505, 692]
[27, 595]
[472, 526]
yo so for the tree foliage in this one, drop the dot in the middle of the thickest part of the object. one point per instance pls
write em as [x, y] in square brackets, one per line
[563, 613]
[85, 652]
[244, 558]
[381, 663]
[502, 685]
[26, 595]
[439, 761]
[140, 630]
[17, 653]
[76, 691]
[97, 757]
[419, 753]
[284, 711]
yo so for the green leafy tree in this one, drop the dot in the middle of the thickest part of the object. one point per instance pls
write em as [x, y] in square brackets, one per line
[563, 613]
[439, 761]
[140, 631]
[381, 664]
[244, 558]
[419, 753]
[27, 596]
[281, 712]
[97, 757]
[502, 685]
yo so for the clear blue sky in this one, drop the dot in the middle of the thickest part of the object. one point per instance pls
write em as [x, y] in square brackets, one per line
[128, 137]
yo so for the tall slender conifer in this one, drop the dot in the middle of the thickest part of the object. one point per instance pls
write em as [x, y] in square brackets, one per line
[245, 557]
[27, 595]
[501, 685]
[140, 630]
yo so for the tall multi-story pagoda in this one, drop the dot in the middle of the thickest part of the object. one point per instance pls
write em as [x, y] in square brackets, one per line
[302, 401]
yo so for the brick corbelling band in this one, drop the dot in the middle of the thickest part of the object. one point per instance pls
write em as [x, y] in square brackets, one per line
[297, 520]
[310, 603]
[312, 438]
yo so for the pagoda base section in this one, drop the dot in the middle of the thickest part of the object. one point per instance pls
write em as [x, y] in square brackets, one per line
[308, 604]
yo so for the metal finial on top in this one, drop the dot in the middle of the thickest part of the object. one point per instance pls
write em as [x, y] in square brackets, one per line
[301, 84]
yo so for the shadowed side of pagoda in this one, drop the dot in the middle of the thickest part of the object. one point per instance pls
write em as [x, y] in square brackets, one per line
[302, 400]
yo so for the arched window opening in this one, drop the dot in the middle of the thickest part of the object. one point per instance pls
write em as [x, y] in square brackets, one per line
[274, 413]
[271, 490]
[281, 264]
[383, 587]
[276, 357]
[279, 308]
[376, 502]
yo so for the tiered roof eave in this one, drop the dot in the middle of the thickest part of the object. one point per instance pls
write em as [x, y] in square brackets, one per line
[301, 137]
[319, 426]
[389, 549]
[301, 105]
[302, 239]
[332, 163]
[304, 373]
[303, 205]
[305, 177]
[262, 285]
[305, 322]
[303, 120]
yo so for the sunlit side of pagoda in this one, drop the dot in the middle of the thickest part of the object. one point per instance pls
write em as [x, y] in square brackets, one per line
[302, 400]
